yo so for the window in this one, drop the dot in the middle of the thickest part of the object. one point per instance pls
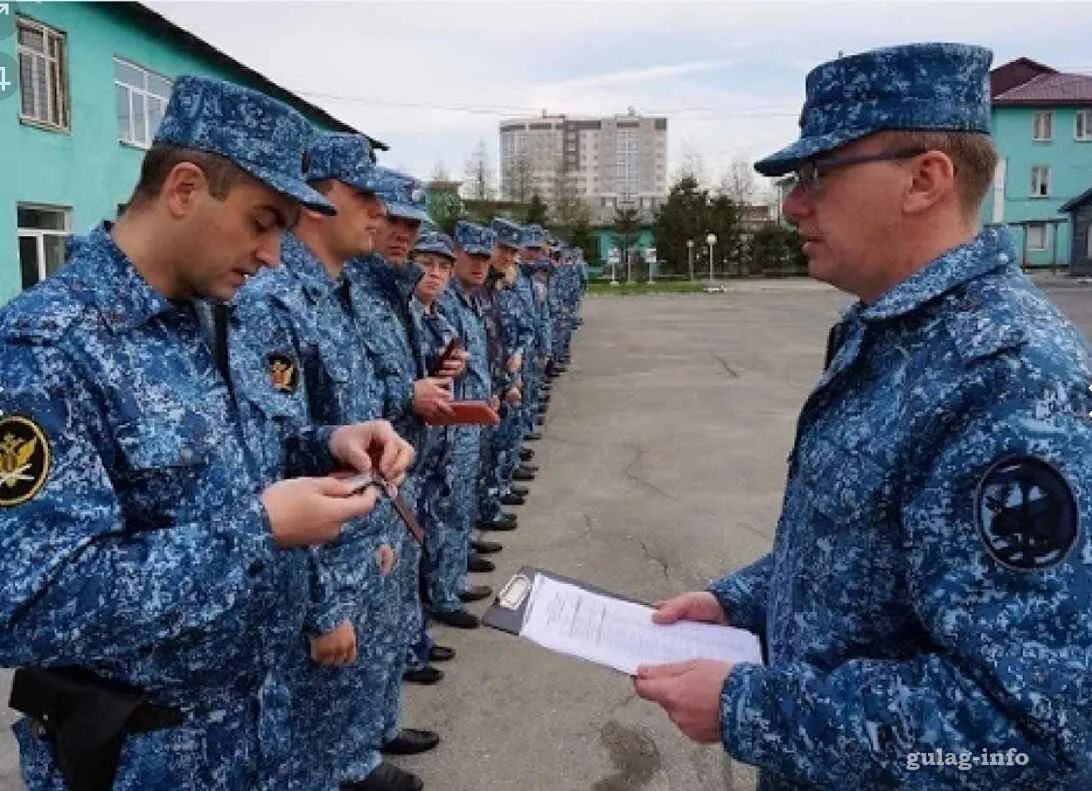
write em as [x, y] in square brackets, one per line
[1037, 236]
[1040, 181]
[1042, 126]
[140, 96]
[42, 234]
[43, 81]
[1083, 128]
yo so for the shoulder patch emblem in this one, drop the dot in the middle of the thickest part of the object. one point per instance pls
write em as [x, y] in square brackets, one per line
[24, 459]
[283, 374]
[1026, 513]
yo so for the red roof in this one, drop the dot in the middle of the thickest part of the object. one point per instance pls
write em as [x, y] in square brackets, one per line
[1049, 89]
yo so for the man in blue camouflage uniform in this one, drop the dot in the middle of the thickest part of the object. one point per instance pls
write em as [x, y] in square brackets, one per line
[499, 443]
[143, 541]
[446, 533]
[473, 247]
[294, 338]
[566, 291]
[925, 606]
[516, 300]
[380, 287]
[540, 276]
[530, 264]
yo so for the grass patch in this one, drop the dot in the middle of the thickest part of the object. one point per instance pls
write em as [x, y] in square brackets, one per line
[604, 288]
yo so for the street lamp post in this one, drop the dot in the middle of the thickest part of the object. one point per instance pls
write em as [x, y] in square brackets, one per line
[690, 256]
[711, 240]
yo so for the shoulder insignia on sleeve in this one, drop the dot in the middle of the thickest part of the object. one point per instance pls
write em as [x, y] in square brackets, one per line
[24, 459]
[1026, 513]
[282, 372]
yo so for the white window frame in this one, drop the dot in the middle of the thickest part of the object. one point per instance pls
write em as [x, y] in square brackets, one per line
[1041, 226]
[141, 93]
[1085, 133]
[55, 114]
[1038, 116]
[1043, 180]
[39, 234]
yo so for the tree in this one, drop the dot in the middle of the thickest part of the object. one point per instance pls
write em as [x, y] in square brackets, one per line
[738, 183]
[445, 207]
[580, 235]
[724, 217]
[627, 226]
[692, 165]
[479, 174]
[536, 210]
[683, 216]
[519, 178]
[439, 172]
[776, 250]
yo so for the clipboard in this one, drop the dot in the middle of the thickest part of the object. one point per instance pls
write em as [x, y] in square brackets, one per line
[510, 604]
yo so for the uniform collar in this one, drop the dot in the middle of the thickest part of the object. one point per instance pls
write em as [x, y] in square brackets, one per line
[106, 275]
[992, 249]
[303, 265]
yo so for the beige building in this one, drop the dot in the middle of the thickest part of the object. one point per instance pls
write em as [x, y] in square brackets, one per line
[607, 162]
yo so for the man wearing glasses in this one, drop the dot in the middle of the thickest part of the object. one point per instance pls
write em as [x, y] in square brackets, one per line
[930, 582]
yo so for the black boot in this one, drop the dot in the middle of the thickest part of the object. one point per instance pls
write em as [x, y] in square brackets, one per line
[387, 777]
[410, 741]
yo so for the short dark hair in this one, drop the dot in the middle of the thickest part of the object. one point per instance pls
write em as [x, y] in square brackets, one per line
[222, 173]
[972, 153]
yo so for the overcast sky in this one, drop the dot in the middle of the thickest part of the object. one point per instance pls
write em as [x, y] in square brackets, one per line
[432, 79]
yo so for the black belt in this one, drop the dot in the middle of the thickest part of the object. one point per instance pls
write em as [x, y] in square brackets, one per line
[86, 719]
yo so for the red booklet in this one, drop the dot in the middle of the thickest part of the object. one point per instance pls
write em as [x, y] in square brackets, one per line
[468, 413]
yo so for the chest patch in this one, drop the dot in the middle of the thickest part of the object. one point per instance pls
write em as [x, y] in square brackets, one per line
[283, 374]
[1026, 513]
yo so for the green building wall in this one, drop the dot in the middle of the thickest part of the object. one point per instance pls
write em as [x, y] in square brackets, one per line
[87, 168]
[1070, 163]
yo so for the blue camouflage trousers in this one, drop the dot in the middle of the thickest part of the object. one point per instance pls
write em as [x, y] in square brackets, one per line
[319, 723]
[215, 749]
[402, 619]
[446, 550]
[499, 448]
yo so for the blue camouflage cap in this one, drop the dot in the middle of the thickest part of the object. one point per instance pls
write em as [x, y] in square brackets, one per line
[343, 156]
[435, 242]
[475, 239]
[509, 234]
[403, 195]
[931, 87]
[262, 136]
[533, 236]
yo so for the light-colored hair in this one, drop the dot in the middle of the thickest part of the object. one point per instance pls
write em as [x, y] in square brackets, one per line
[973, 156]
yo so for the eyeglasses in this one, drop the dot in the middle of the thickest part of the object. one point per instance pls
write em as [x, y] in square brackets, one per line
[810, 174]
[430, 263]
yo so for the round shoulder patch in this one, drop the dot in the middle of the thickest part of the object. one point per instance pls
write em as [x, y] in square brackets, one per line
[24, 459]
[1027, 514]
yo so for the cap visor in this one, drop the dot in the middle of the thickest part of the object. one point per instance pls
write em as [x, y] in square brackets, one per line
[406, 211]
[790, 157]
[296, 189]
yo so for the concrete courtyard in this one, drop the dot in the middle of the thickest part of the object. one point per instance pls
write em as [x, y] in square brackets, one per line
[663, 463]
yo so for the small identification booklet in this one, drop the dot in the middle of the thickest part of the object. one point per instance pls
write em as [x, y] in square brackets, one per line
[620, 634]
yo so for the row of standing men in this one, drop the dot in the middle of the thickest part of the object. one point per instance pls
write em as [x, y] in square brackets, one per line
[197, 598]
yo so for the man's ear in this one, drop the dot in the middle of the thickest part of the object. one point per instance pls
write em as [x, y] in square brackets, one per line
[182, 188]
[932, 181]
